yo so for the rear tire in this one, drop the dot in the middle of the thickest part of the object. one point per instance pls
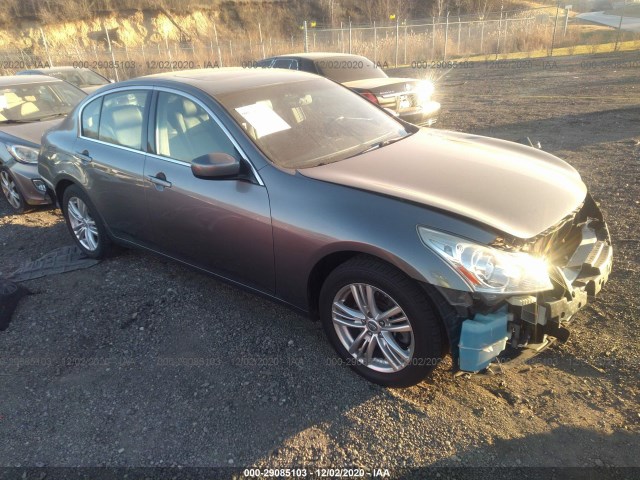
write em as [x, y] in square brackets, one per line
[84, 223]
[380, 322]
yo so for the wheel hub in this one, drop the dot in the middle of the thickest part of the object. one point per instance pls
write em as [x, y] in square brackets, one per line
[373, 327]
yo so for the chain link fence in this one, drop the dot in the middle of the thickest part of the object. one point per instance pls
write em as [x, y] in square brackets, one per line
[389, 44]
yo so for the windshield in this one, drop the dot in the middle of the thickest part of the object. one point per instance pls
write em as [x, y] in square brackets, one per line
[348, 69]
[80, 78]
[311, 122]
[37, 101]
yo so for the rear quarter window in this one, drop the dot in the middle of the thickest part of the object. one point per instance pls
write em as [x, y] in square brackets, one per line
[91, 118]
[286, 63]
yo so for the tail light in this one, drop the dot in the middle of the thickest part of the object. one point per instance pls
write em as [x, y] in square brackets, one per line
[370, 96]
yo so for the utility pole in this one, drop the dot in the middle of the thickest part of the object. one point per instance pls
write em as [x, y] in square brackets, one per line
[499, 31]
[306, 37]
[397, 35]
[555, 24]
[615, 49]
[446, 38]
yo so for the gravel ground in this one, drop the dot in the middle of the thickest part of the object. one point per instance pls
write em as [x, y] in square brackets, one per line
[139, 361]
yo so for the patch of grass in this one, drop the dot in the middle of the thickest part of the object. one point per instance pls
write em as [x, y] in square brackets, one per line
[563, 51]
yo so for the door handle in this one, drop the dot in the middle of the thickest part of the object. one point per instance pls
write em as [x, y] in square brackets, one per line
[84, 157]
[159, 180]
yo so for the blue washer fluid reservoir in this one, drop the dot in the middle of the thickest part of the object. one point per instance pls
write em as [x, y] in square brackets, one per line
[482, 339]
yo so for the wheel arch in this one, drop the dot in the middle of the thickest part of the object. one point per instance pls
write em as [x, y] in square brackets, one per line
[445, 312]
[61, 185]
[320, 272]
[330, 260]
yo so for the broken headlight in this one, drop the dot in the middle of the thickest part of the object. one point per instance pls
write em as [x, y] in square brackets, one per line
[487, 269]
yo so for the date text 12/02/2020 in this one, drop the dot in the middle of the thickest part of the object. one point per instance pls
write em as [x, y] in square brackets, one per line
[149, 64]
[316, 472]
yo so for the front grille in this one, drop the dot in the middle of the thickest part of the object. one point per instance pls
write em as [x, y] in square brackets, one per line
[413, 100]
[559, 242]
[558, 246]
[395, 102]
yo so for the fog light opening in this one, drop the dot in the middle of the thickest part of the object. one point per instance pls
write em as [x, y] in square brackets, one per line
[39, 184]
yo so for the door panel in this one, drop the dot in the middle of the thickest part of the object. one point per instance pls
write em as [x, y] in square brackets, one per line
[113, 173]
[221, 225]
[114, 178]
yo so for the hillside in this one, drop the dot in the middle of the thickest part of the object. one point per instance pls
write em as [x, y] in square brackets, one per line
[81, 24]
[133, 28]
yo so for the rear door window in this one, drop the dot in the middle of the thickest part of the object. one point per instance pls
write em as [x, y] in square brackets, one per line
[122, 118]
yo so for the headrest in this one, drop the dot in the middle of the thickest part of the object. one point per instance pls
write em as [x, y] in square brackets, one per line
[126, 115]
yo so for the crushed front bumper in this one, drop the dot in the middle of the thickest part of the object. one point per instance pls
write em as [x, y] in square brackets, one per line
[527, 322]
[575, 284]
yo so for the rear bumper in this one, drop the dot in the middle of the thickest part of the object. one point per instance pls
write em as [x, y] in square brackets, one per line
[525, 322]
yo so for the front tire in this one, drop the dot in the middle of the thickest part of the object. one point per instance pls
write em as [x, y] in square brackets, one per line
[11, 192]
[84, 223]
[380, 322]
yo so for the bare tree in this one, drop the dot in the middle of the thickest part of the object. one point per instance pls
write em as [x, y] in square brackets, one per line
[439, 7]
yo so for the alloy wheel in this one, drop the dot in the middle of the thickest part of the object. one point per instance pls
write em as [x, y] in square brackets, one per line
[373, 328]
[82, 223]
[10, 190]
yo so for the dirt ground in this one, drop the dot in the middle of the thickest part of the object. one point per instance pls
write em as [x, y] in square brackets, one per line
[142, 362]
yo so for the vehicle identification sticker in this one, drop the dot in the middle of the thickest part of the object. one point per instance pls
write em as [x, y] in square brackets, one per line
[263, 119]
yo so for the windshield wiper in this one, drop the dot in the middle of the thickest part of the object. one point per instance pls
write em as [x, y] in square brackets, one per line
[53, 115]
[381, 144]
[13, 121]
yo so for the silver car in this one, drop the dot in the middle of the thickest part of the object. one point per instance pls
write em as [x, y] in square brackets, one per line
[29, 105]
[405, 242]
[83, 78]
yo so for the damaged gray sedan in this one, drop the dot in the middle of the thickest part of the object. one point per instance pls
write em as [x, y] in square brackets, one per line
[407, 243]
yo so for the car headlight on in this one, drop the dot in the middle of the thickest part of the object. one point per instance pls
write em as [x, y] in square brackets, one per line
[23, 153]
[425, 89]
[487, 269]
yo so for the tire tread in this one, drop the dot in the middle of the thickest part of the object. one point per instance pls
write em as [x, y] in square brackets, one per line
[367, 266]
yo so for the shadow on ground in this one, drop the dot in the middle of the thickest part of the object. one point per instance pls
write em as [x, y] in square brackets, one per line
[602, 126]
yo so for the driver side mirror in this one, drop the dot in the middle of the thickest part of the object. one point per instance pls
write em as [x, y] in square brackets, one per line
[215, 165]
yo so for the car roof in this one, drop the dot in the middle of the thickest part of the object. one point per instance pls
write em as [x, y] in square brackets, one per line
[26, 79]
[219, 81]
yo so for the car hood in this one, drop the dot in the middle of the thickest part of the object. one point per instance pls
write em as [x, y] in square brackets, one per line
[28, 132]
[516, 189]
